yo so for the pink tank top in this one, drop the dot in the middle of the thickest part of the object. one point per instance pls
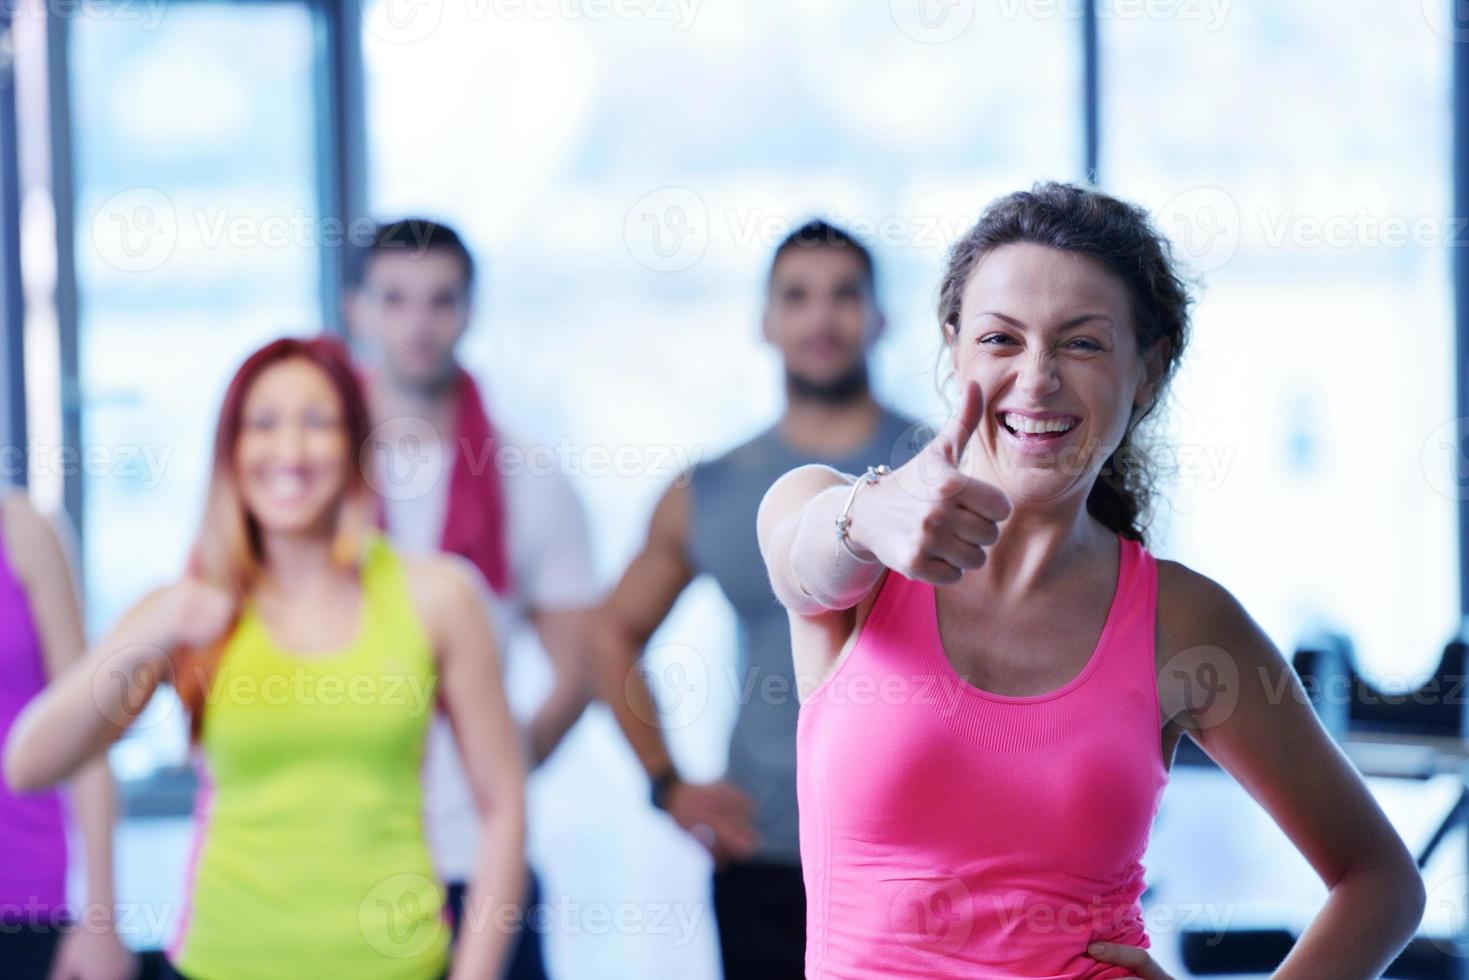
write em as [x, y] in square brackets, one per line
[950, 832]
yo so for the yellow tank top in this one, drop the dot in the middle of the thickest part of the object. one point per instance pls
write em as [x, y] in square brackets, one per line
[309, 853]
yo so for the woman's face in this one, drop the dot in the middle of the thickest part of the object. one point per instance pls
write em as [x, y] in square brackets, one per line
[1049, 337]
[292, 455]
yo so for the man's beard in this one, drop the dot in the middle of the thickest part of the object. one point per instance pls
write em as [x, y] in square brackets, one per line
[839, 390]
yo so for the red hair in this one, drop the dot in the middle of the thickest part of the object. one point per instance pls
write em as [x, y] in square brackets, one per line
[227, 550]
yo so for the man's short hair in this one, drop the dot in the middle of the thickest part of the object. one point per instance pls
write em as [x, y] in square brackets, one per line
[817, 233]
[410, 236]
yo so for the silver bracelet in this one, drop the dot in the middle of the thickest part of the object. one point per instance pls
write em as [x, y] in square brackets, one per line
[844, 519]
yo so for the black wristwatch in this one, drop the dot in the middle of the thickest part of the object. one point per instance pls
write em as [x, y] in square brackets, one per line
[663, 784]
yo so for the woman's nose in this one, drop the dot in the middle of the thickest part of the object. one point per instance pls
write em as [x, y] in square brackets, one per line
[1038, 375]
[289, 445]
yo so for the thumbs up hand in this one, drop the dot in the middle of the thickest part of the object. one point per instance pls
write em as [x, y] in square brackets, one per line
[928, 521]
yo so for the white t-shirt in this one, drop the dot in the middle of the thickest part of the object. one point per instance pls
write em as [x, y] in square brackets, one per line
[550, 567]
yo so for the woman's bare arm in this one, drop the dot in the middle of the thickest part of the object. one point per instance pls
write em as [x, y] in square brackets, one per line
[45, 571]
[810, 572]
[450, 596]
[1271, 741]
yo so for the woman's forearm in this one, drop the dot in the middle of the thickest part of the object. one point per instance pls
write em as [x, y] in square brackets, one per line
[83, 711]
[821, 567]
[1369, 916]
[493, 907]
[96, 806]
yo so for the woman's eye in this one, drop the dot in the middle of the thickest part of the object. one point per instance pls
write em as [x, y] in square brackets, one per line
[1082, 343]
[994, 339]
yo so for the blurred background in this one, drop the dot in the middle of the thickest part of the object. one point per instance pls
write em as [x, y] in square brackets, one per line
[180, 179]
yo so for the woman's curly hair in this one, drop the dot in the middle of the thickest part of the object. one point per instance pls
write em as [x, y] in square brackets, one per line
[1122, 237]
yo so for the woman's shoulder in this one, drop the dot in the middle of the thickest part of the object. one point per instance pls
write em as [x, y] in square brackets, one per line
[442, 585]
[35, 548]
[22, 523]
[1195, 611]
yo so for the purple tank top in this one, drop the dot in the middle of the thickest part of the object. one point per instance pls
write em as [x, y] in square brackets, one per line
[32, 834]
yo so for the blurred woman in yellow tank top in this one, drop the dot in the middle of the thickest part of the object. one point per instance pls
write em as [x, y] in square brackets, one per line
[309, 656]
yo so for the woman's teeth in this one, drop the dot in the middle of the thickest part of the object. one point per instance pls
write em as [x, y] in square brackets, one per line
[287, 486]
[1024, 424]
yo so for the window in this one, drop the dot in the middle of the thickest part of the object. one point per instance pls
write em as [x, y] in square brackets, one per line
[1313, 474]
[198, 236]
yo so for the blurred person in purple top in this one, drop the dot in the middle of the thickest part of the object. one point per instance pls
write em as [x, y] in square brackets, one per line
[41, 936]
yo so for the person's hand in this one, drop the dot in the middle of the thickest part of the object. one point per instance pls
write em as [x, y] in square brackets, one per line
[718, 814]
[194, 614]
[1135, 958]
[87, 953]
[928, 521]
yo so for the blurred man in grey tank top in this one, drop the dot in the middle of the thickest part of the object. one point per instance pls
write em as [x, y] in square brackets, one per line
[822, 315]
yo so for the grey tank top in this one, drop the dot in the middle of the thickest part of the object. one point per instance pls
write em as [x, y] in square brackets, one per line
[726, 494]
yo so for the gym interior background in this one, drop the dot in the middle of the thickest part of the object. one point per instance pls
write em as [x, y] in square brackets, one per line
[178, 179]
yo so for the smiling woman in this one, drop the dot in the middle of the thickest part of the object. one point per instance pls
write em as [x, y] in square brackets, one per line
[307, 652]
[1061, 239]
[1001, 824]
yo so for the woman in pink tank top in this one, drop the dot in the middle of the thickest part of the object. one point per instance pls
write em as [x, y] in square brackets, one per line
[996, 669]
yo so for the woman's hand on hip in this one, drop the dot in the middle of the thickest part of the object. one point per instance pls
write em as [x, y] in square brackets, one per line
[1135, 958]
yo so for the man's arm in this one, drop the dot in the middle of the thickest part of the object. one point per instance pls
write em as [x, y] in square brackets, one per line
[561, 594]
[566, 636]
[629, 616]
[718, 813]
